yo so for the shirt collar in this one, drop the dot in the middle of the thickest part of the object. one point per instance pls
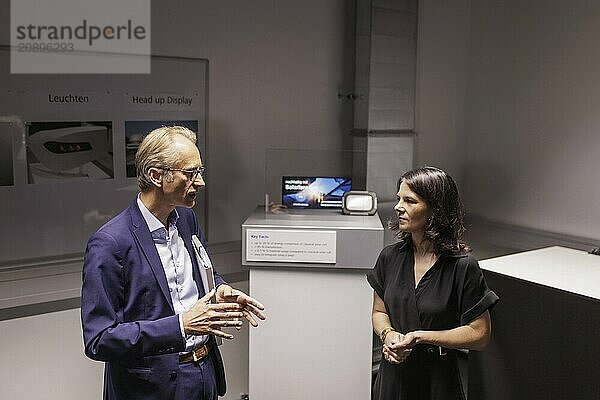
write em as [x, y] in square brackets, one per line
[153, 223]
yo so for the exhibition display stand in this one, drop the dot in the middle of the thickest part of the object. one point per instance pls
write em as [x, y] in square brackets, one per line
[545, 328]
[308, 267]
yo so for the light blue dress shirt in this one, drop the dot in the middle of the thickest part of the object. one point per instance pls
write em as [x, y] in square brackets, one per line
[177, 265]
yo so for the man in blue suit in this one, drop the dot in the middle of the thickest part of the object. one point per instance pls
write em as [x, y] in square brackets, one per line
[145, 309]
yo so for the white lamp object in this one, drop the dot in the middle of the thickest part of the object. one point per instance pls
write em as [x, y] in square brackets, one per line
[359, 202]
[66, 148]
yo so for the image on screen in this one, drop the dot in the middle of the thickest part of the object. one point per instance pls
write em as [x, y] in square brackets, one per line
[314, 192]
[135, 131]
[67, 151]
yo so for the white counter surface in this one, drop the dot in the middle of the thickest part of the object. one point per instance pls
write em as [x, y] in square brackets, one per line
[561, 268]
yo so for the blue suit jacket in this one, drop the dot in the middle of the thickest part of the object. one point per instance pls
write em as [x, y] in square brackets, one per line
[127, 312]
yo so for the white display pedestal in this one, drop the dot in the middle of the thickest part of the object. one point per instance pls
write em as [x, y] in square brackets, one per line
[317, 340]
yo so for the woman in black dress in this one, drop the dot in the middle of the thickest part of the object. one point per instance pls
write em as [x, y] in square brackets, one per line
[431, 302]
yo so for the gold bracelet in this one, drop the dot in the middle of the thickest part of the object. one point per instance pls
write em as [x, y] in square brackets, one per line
[384, 333]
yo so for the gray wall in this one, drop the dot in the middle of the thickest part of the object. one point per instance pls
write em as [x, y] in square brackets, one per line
[275, 71]
[276, 68]
[507, 97]
[442, 66]
[533, 114]
[509, 100]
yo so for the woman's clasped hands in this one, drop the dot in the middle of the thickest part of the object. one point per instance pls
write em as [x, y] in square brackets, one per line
[397, 347]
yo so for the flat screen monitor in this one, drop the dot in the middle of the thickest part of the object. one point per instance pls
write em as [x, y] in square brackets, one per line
[314, 192]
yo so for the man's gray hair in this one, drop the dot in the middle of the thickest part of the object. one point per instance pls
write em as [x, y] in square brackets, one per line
[157, 150]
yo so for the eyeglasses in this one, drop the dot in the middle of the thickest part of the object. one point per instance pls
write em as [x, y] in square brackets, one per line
[191, 174]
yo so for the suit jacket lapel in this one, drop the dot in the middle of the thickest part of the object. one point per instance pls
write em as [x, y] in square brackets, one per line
[186, 235]
[144, 238]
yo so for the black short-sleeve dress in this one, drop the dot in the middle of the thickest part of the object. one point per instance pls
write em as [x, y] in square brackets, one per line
[453, 292]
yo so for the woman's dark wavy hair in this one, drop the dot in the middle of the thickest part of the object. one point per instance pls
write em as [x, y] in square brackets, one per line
[446, 226]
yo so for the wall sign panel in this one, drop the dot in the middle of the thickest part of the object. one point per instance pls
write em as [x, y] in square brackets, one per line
[66, 147]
